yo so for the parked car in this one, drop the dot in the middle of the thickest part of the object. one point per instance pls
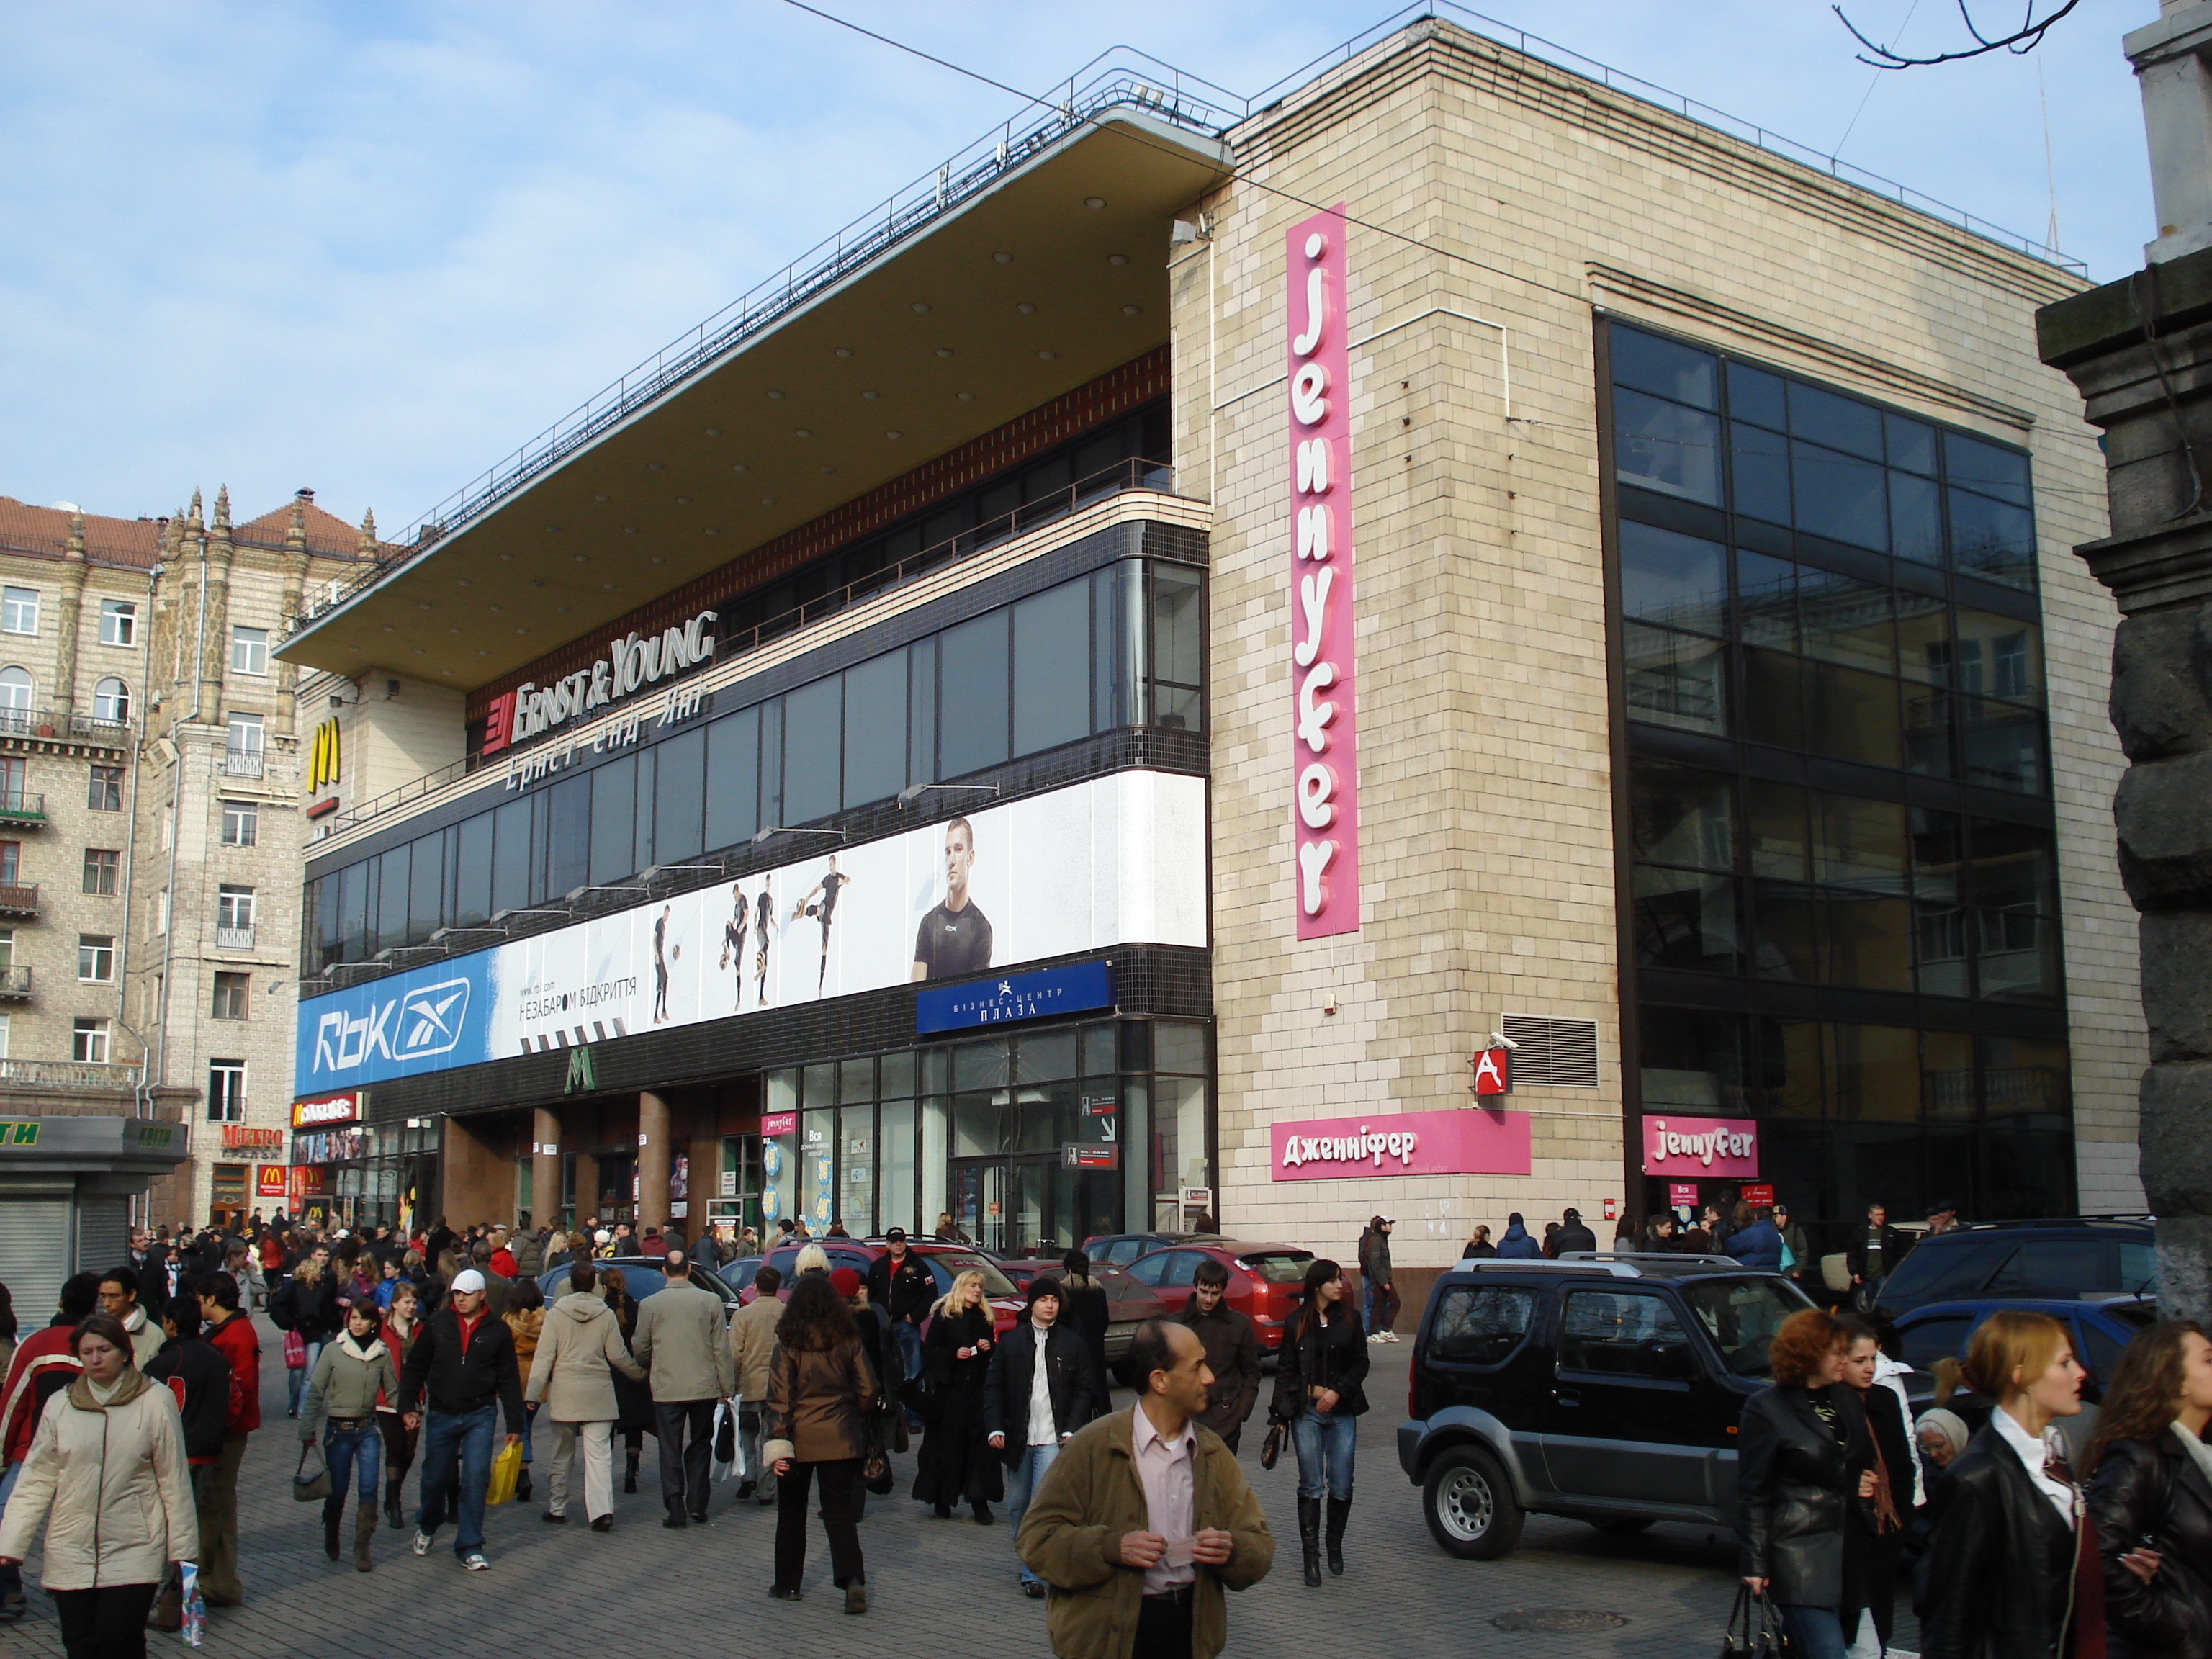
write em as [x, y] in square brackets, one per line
[643, 1276]
[943, 1261]
[1265, 1280]
[1120, 1249]
[2100, 1330]
[1604, 1390]
[1129, 1303]
[2064, 1259]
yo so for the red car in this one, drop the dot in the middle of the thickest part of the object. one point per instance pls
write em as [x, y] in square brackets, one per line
[945, 1262]
[1265, 1280]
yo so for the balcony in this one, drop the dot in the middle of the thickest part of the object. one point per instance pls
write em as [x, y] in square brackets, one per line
[242, 762]
[21, 809]
[85, 1074]
[19, 898]
[50, 725]
[14, 984]
[233, 938]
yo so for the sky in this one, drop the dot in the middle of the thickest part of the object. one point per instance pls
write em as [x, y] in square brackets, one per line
[374, 250]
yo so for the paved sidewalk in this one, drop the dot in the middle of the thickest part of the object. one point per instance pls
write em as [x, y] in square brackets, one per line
[700, 1594]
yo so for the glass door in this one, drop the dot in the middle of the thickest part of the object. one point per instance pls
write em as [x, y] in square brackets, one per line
[978, 1201]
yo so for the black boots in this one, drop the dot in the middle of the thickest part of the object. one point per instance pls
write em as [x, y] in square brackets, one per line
[332, 1509]
[522, 1485]
[1340, 1511]
[629, 1471]
[1310, 1539]
[392, 1517]
[364, 1529]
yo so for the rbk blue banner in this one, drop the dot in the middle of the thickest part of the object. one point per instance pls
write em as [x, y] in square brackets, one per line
[424, 1020]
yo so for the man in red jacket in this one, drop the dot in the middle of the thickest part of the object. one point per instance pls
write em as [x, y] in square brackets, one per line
[232, 1334]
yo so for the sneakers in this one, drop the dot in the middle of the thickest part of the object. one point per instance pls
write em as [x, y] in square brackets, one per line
[551, 1519]
[421, 1542]
[1377, 1336]
[856, 1598]
[474, 1562]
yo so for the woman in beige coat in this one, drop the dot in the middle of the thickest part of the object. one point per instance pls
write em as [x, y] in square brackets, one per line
[580, 1339]
[107, 1473]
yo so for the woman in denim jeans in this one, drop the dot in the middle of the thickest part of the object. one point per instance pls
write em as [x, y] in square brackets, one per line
[353, 1373]
[1318, 1394]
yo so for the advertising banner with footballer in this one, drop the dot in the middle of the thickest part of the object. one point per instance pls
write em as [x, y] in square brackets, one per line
[1117, 860]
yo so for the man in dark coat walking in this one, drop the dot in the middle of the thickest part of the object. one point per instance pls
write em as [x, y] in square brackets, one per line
[465, 1358]
[1043, 1386]
[1232, 1352]
[1573, 1235]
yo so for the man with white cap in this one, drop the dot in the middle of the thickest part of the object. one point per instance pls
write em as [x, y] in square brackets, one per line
[466, 1360]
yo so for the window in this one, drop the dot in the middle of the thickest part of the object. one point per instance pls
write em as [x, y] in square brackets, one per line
[7, 947]
[111, 702]
[105, 792]
[226, 1098]
[19, 609]
[245, 734]
[4, 1037]
[89, 1041]
[249, 651]
[15, 694]
[234, 906]
[1478, 1325]
[241, 821]
[102, 867]
[119, 622]
[96, 957]
[1615, 1334]
[230, 990]
[1928, 1341]
[11, 862]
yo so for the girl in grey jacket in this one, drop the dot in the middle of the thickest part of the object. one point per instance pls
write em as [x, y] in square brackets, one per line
[351, 1377]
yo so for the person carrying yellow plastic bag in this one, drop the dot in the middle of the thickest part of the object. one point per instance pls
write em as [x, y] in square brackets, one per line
[463, 1367]
[505, 1471]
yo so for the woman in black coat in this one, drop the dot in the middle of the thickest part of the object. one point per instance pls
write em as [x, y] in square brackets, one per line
[2150, 1496]
[2011, 1572]
[1803, 1461]
[633, 1398]
[1319, 1394]
[1875, 1543]
[956, 1464]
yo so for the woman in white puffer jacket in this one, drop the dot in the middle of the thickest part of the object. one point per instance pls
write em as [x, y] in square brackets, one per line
[106, 1474]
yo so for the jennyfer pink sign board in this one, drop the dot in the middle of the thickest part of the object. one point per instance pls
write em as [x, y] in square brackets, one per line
[1324, 752]
[1466, 1142]
[1700, 1147]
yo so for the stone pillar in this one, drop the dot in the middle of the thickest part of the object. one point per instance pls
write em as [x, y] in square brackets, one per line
[2173, 70]
[69, 623]
[2140, 350]
[286, 720]
[545, 1168]
[587, 1188]
[215, 662]
[652, 1149]
[476, 1177]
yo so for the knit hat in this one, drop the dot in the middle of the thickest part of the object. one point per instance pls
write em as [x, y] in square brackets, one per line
[1043, 1286]
[845, 1282]
[467, 1280]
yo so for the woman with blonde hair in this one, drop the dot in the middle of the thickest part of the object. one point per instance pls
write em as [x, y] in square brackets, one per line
[2013, 1572]
[956, 1464]
[2150, 1495]
[811, 1259]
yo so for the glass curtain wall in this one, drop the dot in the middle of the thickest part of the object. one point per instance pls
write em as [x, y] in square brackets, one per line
[1119, 646]
[1842, 862]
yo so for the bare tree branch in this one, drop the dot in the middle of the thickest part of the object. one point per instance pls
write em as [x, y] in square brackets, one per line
[2025, 39]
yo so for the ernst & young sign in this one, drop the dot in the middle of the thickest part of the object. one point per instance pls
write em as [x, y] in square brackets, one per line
[632, 663]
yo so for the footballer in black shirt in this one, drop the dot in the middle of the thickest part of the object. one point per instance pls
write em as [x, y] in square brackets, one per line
[955, 937]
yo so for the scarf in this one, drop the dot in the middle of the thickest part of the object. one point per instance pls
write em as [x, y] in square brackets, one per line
[366, 1355]
[88, 1395]
[1886, 1517]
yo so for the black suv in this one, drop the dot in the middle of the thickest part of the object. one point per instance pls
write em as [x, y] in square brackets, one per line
[2070, 1258]
[1603, 1388]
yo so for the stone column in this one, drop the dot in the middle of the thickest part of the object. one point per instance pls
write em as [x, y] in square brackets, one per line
[545, 1168]
[2140, 350]
[69, 623]
[286, 720]
[652, 1149]
[215, 662]
[587, 1188]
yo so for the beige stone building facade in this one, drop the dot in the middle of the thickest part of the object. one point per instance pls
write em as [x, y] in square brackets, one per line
[1728, 708]
[150, 832]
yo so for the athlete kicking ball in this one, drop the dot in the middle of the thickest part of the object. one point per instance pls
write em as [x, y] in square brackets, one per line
[828, 887]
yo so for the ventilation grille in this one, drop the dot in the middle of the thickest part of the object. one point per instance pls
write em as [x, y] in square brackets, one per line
[1554, 1053]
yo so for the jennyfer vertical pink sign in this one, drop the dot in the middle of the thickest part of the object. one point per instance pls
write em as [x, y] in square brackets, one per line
[1325, 768]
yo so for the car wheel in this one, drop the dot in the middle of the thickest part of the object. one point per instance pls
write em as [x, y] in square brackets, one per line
[1622, 1526]
[1470, 1506]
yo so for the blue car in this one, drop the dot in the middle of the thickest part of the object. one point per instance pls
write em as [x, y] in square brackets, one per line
[643, 1275]
[2100, 1330]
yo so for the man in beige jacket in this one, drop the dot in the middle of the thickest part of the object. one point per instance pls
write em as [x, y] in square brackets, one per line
[683, 1342]
[752, 1344]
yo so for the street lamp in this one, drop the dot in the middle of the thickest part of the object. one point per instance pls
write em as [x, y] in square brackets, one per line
[914, 792]
[767, 829]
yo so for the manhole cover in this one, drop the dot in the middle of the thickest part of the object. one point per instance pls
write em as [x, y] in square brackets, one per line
[1562, 1619]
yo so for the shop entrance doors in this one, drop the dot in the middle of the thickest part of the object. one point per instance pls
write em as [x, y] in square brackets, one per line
[1030, 1206]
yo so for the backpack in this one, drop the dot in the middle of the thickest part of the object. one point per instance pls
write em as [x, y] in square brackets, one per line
[284, 1306]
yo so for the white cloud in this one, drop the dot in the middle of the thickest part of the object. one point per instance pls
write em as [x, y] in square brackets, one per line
[375, 249]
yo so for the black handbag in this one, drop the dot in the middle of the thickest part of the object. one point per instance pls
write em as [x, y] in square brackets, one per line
[311, 1487]
[1761, 1638]
[726, 1435]
[1271, 1448]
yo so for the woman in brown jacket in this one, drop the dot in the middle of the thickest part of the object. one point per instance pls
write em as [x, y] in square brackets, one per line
[821, 1389]
[525, 1319]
